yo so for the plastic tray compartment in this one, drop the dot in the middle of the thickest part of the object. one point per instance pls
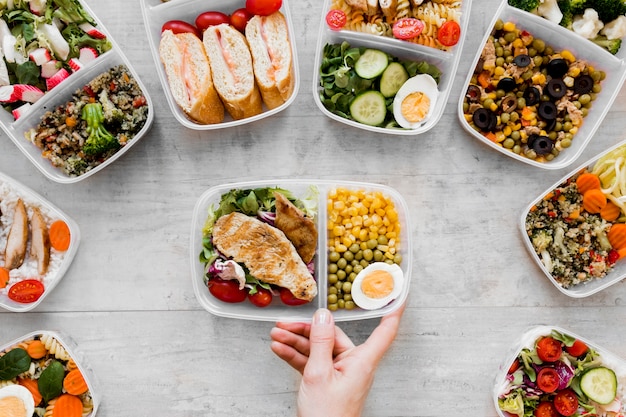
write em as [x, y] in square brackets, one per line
[277, 310]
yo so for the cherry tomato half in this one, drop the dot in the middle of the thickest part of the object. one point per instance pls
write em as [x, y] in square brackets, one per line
[288, 298]
[261, 298]
[227, 290]
[263, 7]
[514, 366]
[548, 380]
[566, 402]
[449, 33]
[239, 19]
[407, 28]
[546, 409]
[27, 291]
[549, 349]
[206, 19]
[336, 19]
[179, 26]
[579, 348]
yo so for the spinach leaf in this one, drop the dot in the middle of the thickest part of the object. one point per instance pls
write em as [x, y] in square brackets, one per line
[14, 363]
[50, 382]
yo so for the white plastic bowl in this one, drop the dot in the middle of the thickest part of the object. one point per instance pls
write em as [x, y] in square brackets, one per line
[446, 61]
[156, 13]
[560, 39]
[276, 310]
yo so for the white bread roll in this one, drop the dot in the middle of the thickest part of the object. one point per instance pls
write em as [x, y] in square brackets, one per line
[189, 77]
[231, 65]
[268, 38]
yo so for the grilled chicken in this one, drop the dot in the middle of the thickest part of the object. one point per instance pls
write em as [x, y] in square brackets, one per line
[358, 4]
[40, 241]
[15, 251]
[298, 228]
[265, 251]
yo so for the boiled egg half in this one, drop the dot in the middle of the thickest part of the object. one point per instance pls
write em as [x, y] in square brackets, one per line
[377, 285]
[16, 401]
[415, 100]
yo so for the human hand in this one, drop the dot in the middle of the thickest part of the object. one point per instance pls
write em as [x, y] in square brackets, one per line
[336, 374]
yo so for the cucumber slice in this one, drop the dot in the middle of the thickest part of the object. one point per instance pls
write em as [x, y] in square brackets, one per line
[599, 384]
[369, 108]
[371, 64]
[392, 79]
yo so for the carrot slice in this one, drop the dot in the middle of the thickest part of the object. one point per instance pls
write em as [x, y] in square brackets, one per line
[587, 181]
[36, 349]
[68, 405]
[74, 383]
[610, 212]
[4, 277]
[594, 200]
[33, 387]
[59, 234]
[617, 236]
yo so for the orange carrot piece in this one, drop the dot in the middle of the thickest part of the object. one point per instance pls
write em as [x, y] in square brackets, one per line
[484, 79]
[610, 212]
[74, 383]
[587, 181]
[594, 200]
[622, 253]
[491, 136]
[36, 349]
[617, 236]
[4, 276]
[59, 234]
[67, 405]
[33, 387]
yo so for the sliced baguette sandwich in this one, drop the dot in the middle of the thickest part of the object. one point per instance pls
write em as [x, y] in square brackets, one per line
[231, 66]
[189, 77]
[268, 38]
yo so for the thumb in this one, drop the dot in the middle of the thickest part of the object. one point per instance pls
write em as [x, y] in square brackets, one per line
[322, 340]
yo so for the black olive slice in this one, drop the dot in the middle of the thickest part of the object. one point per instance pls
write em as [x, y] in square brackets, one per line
[557, 67]
[532, 96]
[522, 60]
[507, 84]
[473, 93]
[484, 119]
[556, 88]
[542, 145]
[583, 84]
[550, 125]
[547, 110]
[509, 103]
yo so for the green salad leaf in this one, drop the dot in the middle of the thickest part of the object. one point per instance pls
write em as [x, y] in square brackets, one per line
[14, 363]
[50, 382]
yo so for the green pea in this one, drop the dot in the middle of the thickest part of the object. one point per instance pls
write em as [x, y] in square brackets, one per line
[372, 243]
[332, 299]
[334, 256]
[378, 255]
[505, 117]
[357, 269]
[333, 307]
[346, 287]
[382, 240]
[332, 290]
[341, 263]
[348, 269]
[350, 305]
[354, 248]
[368, 254]
[347, 297]
[332, 268]
[397, 259]
[566, 143]
[341, 303]
[352, 276]
[508, 143]
[341, 275]
[364, 263]
[332, 278]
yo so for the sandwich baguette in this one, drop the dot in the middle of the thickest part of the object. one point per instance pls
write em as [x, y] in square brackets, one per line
[268, 39]
[231, 66]
[189, 77]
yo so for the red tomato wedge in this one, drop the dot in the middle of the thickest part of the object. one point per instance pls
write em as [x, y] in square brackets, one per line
[227, 290]
[263, 7]
[179, 26]
[546, 409]
[548, 380]
[27, 291]
[206, 19]
[289, 299]
[549, 349]
[449, 33]
[566, 402]
[579, 348]
[336, 19]
[261, 298]
[407, 28]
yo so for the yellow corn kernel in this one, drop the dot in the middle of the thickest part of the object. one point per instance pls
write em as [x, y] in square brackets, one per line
[498, 71]
[339, 205]
[538, 78]
[391, 235]
[516, 126]
[518, 43]
[338, 231]
[372, 235]
[508, 27]
[388, 255]
[340, 248]
[346, 241]
[507, 130]
[574, 72]
[568, 56]
[500, 136]
[363, 235]
[493, 106]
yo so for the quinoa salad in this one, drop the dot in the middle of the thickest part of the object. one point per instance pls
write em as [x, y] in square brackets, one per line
[99, 120]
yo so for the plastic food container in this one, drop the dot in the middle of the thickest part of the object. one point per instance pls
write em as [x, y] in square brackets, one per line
[277, 310]
[10, 191]
[446, 59]
[156, 13]
[60, 95]
[60, 348]
[560, 39]
[527, 341]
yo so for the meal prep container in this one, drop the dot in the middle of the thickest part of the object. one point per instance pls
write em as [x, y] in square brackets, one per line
[60, 342]
[53, 277]
[528, 339]
[156, 13]
[60, 95]
[446, 61]
[276, 310]
[560, 39]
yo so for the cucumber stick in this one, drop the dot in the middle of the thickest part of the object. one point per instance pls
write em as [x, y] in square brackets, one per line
[371, 64]
[392, 79]
[369, 108]
[599, 384]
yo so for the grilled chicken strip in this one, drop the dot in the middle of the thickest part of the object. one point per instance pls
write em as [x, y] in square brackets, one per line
[298, 228]
[15, 250]
[265, 251]
[40, 241]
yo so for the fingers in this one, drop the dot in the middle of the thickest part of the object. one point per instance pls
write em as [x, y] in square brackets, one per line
[302, 329]
[290, 355]
[322, 342]
[383, 335]
[342, 342]
[290, 338]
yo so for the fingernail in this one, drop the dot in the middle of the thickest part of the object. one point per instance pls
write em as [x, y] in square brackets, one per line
[322, 316]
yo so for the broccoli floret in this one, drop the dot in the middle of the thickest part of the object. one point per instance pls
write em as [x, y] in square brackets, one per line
[541, 240]
[111, 113]
[526, 5]
[99, 140]
[568, 16]
[611, 45]
[577, 6]
[607, 9]
[75, 166]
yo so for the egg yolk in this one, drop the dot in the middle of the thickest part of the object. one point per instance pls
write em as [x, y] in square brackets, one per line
[12, 407]
[415, 106]
[377, 284]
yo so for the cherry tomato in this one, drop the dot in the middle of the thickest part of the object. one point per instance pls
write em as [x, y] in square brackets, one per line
[546, 409]
[263, 7]
[549, 349]
[514, 366]
[548, 380]
[179, 26]
[579, 348]
[227, 290]
[27, 291]
[261, 298]
[407, 28]
[566, 402]
[288, 298]
[449, 33]
[239, 19]
[336, 19]
[206, 19]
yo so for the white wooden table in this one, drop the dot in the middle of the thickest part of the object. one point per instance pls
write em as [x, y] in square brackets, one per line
[128, 301]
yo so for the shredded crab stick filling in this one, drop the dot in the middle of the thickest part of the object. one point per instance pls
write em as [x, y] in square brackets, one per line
[271, 70]
[228, 59]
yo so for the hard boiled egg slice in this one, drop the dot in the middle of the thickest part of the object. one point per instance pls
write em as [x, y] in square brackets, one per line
[377, 285]
[16, 401]
[415, 101]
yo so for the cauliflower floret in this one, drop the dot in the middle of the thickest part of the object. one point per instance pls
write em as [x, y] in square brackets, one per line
[550, 10]
[588, 25]
[615, 29]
